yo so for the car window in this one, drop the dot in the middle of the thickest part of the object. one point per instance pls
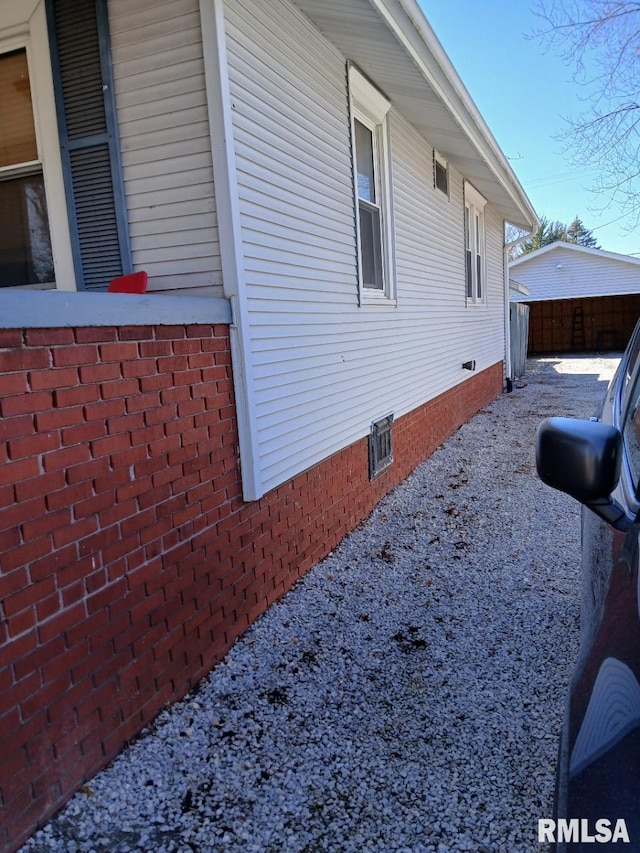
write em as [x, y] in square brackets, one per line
[631, 429]
[630, 364]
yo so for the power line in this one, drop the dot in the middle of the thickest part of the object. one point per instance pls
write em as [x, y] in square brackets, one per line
[561, 178]
[612, 222]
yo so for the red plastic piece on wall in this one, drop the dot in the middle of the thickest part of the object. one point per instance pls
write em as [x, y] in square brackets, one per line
[134, 282]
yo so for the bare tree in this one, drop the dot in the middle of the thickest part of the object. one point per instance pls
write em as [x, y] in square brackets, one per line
[513, 238]
[600, 41]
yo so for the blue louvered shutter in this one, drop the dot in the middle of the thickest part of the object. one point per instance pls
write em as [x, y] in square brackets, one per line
[79, 36]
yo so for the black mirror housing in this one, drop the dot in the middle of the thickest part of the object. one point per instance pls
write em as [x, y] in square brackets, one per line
[581, 458]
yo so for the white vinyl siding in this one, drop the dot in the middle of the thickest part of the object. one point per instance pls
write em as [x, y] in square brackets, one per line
[165, 143]
[436, 331]
[325, 366]
[571, 274]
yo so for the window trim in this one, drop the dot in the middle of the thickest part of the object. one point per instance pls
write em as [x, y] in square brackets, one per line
[475, 241]
[370, 107]
[30, 34]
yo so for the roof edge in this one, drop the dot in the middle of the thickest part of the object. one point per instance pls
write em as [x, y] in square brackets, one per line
[458, 100]
[574, 247]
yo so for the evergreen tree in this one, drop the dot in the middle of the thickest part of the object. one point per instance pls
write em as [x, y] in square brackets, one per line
[577, 233]
[548, 232]
[551, 232]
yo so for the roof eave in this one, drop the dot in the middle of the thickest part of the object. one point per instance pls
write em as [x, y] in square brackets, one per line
[411, 67]
[574, 247]
[443, 77]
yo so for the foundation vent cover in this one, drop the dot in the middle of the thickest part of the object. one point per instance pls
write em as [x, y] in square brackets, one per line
[380, 449]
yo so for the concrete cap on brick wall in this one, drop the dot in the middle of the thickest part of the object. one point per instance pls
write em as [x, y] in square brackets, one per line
[53, 308]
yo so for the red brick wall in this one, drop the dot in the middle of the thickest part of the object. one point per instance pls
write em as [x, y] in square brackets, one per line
[129, 563]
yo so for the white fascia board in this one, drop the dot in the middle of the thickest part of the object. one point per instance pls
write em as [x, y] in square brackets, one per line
[437, 69]
[564, 297]
[574, 247]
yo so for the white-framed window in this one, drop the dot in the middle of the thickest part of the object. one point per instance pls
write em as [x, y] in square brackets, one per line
[440, 173]
[372, 172]
[474, 243]
[35, 245]
[26, 256]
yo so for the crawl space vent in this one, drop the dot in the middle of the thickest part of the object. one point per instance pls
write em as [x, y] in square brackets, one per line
[380, 450]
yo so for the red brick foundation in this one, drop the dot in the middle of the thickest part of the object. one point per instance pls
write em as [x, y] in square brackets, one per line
[129, 563]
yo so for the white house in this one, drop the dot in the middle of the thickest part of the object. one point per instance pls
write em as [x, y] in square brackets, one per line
[580, 298]
[311, 189]
[214, 144]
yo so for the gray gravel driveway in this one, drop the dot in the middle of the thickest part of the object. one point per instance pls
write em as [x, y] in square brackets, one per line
[405, 696]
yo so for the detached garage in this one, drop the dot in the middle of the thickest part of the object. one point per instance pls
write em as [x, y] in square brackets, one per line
[580, 299]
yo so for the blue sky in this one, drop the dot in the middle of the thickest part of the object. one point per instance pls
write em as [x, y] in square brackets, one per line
[523, 93]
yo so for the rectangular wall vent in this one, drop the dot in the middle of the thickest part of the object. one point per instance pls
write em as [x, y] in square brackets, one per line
[380, 449]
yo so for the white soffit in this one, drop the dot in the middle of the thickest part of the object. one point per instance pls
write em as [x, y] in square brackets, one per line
[391, 41]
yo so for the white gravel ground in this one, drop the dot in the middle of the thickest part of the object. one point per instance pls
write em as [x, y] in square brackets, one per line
[405, 696]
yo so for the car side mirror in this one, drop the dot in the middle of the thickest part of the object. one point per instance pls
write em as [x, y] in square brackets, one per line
[583, 459]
